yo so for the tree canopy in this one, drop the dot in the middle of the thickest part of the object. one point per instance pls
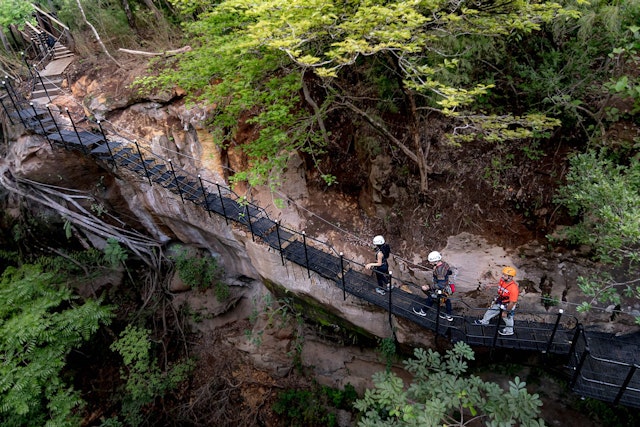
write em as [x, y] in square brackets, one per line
[40, 323]
[412, 56]
[442, 393]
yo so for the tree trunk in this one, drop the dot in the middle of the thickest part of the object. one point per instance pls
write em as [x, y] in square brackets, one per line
[127, 11]
[152, 7]
[95, 32]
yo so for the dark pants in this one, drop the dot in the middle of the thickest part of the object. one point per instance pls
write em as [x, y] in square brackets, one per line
[382, 275]
[447, 303]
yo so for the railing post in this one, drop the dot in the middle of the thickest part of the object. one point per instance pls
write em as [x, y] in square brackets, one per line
[75, 129]
[625, 384]
[55, 123]
[44, 132]
[279, 243]
[24, 58]
[107, 142]
[553, 333]
[10, 89]
[4, 107]
[574, 341]
[583, 358]
[175, 179]
[204, 196]
[7, 87]
[224, 212]
[46, 92]
[344, 286]
[246, 210]
[438, 308]
[495, 334]
[146, 172]
[390, 302]
[306, 255]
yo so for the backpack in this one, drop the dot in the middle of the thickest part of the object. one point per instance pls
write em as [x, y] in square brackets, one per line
[386, 251]
[441, 278]
[440, 271]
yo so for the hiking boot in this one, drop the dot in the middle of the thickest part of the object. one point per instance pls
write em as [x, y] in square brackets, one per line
[420, 312]
[506, 331]
[480, 322]
[447, 317]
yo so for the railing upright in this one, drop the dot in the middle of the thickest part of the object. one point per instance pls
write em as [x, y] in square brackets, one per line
[553, 333]
[4, 107]
[7, 87]
[246, 210]
[390, 298]
[11, 89]
[306, 254]
[344, 286]
[175, 179]
[46, 92]
[55, 123]
[279, 242]
[204, 196]
[625, 384]
[44, 132]
[438, 309]
[576, 374]
[107, 142]
[75, 129]
[24, 58]
[224, 212]
[495, 334]
[144, 166]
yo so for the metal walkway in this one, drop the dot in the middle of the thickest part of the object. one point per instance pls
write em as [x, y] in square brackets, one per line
[599, 367]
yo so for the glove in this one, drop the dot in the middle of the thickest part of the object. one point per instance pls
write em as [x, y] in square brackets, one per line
[502, 307]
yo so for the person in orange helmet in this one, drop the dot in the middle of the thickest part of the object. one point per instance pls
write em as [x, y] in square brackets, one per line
[506, 301]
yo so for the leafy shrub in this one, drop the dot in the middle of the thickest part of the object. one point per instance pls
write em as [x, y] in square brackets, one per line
[41, 321]
[315, 407]
[144, 380]
[200, 273]
[441, 393]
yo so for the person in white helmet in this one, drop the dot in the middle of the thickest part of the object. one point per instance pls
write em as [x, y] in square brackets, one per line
[441, 287]
[381, 266]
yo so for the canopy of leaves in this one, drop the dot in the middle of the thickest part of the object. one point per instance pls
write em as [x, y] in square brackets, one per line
[40, 323]
[605, 196]
[252, 57]
[15, 12]
[441, 394]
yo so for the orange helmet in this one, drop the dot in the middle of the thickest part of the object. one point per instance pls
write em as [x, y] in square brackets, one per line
[509, 271]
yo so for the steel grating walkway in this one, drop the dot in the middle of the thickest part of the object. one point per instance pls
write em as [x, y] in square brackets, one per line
[600, 367]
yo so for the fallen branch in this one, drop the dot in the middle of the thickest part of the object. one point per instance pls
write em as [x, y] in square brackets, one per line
[165, 53]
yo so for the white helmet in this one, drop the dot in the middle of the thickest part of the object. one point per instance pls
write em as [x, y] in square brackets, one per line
[434, 256]
[378, 240]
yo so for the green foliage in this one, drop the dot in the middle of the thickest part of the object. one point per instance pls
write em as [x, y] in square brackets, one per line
[605, 198]
[607, 414]
[40, 323]
[145, 382]
[387, 348]
[441, 394]
[627, 84]
[200, 273]
[15, 12]
[114, 254]
[315, 407]
[250, 61]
